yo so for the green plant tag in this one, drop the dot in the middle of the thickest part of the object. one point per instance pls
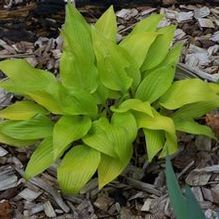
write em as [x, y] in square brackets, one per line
[183, 207]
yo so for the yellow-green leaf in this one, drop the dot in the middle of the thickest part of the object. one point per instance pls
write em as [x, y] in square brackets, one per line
[214, 87]
[22, 110]
[148, 24]
[41, 159]
[77, 67]
[155, 140]
[123, 132]
[133, 104]
[47, 100]
[111, 63]
[40, 85]
[77, 72]
[132, 70]
[137, 45]
[67, 130]
[155, 84]
[77, 31]
[107, 25]
[77, 167]
[77, 102]
[186, 92]
[103, 93]
[192, 127]
[159, 49]
[20, 71]
[173, 55]
[35, 128]
[4, 139]
[159, 122]
[109, 167]
[195, 110]
[98, 137]
[112, 138]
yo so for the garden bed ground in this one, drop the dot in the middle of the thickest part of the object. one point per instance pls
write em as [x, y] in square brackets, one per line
[30, 31]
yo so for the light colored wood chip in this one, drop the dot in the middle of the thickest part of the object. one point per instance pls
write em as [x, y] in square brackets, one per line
[3, 152]
[206, 23]
[7, 178]
[49, 211]
[29, 195]
[147, 205]
[197, 178]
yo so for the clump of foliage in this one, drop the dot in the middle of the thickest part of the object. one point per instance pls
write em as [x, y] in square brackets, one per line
[184, 205]
[90, 115]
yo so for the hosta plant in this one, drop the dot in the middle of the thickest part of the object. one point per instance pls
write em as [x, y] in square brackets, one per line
[89, 116]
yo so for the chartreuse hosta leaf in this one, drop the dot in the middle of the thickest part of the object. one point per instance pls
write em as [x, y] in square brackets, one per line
[155, 84]
[114, 140]
[195, 110]
[192, 127]
[125, 128]
[132, 70]
[78, 32]
[133, 104]
[103, 93]
[183, 207]
[22, 110]
[110, 168]
[107, 25]
[186, 92]
[98, 137]
[47, 100]
[77, 167]
[4, 139]
[159, 122]
[41, 158]
[37, 127]
[214, 87]
[148, 24]
[127, 123]
[138, 43]
[184, 117]
[111, 63]
[77, 72]
[159, 48]
[109, 137]
[77, 67]
[40, 85]
[67, 130]
[19, 70]
[155, 140]
[172, 58]
[173, 55]
[77, 102]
